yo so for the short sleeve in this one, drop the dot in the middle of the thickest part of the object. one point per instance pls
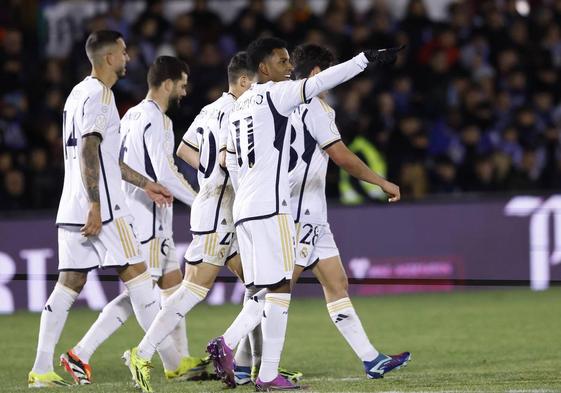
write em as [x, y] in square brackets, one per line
[190, 136]
[230, 142]
[223, 126]
[323, 129]
[96, 111]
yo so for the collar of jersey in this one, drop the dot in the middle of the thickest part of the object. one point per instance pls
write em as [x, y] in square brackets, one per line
[155, 103]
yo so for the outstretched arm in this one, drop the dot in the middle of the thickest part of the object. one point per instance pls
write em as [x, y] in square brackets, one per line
[294, 93]
[349, 161]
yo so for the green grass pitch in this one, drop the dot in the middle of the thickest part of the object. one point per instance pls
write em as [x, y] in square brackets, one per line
[477, 341]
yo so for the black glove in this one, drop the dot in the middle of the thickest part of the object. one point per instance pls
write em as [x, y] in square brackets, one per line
[383, 57]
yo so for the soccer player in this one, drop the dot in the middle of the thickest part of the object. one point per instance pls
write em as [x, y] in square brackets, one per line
[147, 144]
[262, 214]
[211, 220]
[95, 226]
[316, 139]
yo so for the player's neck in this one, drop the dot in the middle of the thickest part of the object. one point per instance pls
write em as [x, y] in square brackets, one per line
[158, 99]
[263, 78]
[235, 91]
[107, 77]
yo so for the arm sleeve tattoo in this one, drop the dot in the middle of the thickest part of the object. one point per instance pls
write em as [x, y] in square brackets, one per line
[131, 176]
[90, 166]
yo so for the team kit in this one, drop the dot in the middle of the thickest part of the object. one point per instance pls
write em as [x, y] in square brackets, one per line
[261, 152]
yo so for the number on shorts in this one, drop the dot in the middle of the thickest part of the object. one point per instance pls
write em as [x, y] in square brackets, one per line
[311, 236]
[226, 240]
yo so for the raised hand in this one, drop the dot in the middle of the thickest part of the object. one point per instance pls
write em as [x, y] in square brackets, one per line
[381, 57]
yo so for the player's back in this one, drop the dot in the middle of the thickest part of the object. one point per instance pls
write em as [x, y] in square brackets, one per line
[90, 111]
[260, 141]
[212, 208]
[313, 130]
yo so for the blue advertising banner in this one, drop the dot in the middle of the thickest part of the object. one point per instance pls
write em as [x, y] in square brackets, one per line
[401, 248]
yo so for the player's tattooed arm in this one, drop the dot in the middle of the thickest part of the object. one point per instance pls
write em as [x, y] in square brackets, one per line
[90, 167]
[131, 176]
[158, 193]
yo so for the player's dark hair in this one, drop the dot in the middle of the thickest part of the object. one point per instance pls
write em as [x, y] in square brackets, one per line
[238, 66]
[99, 39]
[307, 56]
[262, 48]
[166, 67]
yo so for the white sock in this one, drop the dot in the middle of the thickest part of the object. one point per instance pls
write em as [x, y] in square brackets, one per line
[245, 354]
[179, 334]
[53, 318]
[146, 306]
[173, 311]
[248, 318]
[111, 318]
[344, 317]
[256, 343]
[273, 325]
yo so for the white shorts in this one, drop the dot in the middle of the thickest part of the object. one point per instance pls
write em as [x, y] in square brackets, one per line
[315, 242]
[160, 256]
[267, 250]
[215, 248]
[116, 245]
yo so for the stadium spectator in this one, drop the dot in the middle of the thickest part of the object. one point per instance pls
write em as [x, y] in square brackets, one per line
[474, 93]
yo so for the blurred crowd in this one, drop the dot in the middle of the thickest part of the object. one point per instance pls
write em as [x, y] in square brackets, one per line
[471, 106]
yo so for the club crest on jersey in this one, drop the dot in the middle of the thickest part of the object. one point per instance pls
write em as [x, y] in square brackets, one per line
[304, 252]
[222, 252]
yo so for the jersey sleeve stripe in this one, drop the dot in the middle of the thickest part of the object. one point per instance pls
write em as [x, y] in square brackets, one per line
[303, 91]
[325, 106]
[93, 133]
[330, 143]
[190, 144]
[106, 96]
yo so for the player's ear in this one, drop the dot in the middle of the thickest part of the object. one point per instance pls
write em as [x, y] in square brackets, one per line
[263, 68]
[316, 70]
[242, 81]
[168, 85]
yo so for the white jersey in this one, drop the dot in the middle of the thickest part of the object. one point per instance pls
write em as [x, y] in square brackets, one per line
[147, 146]
[313, 131]
[212, 209]
[259, 125]
[90, 110]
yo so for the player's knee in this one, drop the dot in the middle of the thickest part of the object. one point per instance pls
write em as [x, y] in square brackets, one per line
[73, 280]
[337, 288]
[282, 286]
[198, 291]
